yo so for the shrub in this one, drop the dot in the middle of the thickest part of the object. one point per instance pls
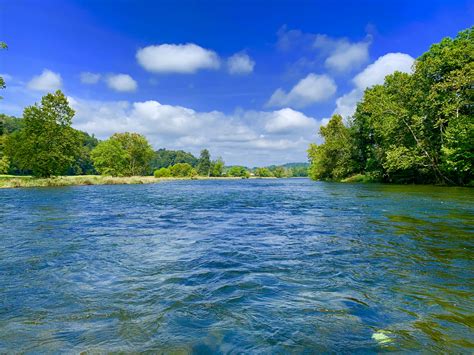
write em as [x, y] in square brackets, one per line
[182, 170]
[163, 172]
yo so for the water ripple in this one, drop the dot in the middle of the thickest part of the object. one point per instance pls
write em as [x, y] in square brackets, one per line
[253, 266]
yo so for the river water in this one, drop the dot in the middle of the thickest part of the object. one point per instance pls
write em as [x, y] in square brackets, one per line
[253, 266]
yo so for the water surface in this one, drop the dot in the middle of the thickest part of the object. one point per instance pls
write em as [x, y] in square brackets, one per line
[254, 266]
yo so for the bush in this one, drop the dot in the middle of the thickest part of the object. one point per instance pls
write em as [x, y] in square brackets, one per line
[182, 170]
[163, 172]
[238, 171]
[263, 172]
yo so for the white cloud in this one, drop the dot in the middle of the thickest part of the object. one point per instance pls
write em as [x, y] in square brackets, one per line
[387, 64]
[311, 89]
[342, 55]
[177, 58]
[244, 137]
[240, 63]
[373, 74]
[90, 78]
[46, 81]
[121, 82]
[288, 120]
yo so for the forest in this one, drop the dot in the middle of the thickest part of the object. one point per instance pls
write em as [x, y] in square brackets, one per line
[414, 128]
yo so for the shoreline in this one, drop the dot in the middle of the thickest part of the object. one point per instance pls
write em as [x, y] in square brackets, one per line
[12, 182]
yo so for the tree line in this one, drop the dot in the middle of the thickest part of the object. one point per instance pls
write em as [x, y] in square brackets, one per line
[43, 143]
[414, 128]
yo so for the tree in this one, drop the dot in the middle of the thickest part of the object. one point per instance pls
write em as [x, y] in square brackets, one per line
[238, 171]
[83, 164]
[279, 171]
[164, 158]
[414, 127]
[217, 167]
[332, 159]
[123, 154]
[263, 172]
[162, 172]
[110, 158]
[182, 170]
[204, 164]
[46, 144]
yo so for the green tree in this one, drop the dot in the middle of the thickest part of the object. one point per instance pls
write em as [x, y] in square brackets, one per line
[46, 144]
[164, 158]
[182, 170]
[204, 164]
[162, 172]
[238, 171]
[331, 160]
[110, 158]
[83, 164]
[279, 172]
[414, 127]
[217, 167]
[263, 172]
[123, 154]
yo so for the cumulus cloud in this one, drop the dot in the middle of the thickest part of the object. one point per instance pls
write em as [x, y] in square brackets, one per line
[46, 81]
[90, 78]
[373, 74]
[376, 72]
[287, 120]
[309, 90]
[177, 58]
[240, 63]
[121, 82]
[244, 137]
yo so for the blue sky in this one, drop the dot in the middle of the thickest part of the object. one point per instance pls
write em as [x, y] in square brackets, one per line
[250, 80]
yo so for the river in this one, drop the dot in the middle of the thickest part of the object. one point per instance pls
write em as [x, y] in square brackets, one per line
[253, 266]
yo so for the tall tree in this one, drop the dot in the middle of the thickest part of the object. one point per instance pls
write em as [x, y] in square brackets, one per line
[204, 164]
[123, 154]
[414, 127]
[217, 167]
[332, 159]
[46, 144]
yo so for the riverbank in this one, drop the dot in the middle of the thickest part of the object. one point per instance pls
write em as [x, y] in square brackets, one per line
[11, 181]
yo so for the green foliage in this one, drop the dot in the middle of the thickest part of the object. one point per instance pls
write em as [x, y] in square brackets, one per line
[83, 164]
[164, 158]
[263, 172]
[123, 154]
[238, 171]
[162, 172]
[182, 170]
[415, 127]
[217, 167]
[299, 171]
[204, 164]
[46, 144]
[279, 172]
[332, 159]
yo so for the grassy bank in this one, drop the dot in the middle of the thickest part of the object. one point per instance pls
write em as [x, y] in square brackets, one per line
[11, 181]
